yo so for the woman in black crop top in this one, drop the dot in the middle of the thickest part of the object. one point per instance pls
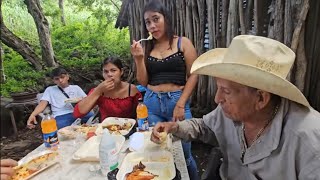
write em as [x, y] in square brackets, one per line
[163, 66]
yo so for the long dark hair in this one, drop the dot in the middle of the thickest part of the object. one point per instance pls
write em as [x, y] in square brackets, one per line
[157, 6]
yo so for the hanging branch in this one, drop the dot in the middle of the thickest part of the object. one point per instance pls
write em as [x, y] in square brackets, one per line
[232, 27]
[278, 21]
[241, 18]
[248, 15]
[115, 4]
[288, 23]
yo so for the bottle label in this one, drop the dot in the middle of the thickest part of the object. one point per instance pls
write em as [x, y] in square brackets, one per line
[108, 160]
[113, 159]
[143, 124]
[50, 139]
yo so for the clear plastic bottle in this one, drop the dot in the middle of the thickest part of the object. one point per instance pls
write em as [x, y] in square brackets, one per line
[49, 130]
[107, 153]
[142, 116]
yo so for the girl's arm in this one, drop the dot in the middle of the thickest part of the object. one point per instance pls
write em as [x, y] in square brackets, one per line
[190, 55]
[138, 55]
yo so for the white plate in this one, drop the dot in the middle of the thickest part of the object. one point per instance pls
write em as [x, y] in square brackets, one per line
[47, 163]
[158, 163]
[118, 121]
[89, 151]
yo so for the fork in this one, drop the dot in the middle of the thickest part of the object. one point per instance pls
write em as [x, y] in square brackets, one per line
[148, 38]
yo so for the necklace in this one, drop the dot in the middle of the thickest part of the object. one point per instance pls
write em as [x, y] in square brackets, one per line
[162, 52]
[259, 133]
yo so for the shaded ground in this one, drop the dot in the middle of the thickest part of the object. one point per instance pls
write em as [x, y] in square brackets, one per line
[27, 140]
[16, 147]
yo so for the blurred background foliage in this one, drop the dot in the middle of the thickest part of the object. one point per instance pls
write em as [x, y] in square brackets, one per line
[83, 42]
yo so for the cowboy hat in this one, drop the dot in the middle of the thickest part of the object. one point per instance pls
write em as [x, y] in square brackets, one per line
[253, 61]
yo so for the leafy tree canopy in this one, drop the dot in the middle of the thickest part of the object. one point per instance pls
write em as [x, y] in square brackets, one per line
[88, 37]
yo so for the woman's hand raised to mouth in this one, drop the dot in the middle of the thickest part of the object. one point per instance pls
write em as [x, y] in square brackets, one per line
[106, 85]
[137, 51]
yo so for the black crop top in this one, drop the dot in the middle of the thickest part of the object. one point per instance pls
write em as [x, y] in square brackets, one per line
[171, 69]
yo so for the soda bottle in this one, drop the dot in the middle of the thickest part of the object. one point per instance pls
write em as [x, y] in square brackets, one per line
[142, 116]
[49, 130]
[107, 153]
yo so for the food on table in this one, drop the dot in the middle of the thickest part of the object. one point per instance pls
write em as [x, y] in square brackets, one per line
[118, 127]
[113, 127]
[138, 173]
[163, 137]
[33, 166]
[85, 128]
[90, 134]
[67, 133]
[70, 132]
[72, 100]
[127, 126]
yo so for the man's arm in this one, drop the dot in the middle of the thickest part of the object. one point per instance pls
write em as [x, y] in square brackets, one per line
[32, 118]
[195, 129]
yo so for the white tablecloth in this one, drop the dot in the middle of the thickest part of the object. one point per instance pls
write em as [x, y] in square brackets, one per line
[69, 169]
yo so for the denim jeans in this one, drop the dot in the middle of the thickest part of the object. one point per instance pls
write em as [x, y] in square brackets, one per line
[160, 109]
[68, 119]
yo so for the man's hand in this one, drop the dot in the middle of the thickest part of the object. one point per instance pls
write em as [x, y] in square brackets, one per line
[168, 127]
[7, 168]
[32, 121]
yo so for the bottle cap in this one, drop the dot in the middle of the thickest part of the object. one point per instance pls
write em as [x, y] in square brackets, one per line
[140, 100]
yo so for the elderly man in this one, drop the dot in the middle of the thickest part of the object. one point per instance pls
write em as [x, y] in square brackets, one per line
[265, 127]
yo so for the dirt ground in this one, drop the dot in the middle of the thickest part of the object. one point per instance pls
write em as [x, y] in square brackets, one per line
[16, 147]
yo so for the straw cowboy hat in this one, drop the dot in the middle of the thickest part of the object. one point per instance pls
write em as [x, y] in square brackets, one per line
[253, 61]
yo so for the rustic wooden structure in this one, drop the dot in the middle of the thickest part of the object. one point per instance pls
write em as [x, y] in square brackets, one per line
[216, 22]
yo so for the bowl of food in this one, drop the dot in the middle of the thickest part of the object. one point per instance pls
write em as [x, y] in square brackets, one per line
[117, 126]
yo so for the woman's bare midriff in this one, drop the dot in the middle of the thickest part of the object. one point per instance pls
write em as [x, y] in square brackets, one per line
[169, 87]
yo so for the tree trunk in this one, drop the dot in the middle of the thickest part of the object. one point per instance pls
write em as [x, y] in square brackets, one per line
[42, 24]
[20, 46]
[233, 21]
[2, 75]
[63, 21]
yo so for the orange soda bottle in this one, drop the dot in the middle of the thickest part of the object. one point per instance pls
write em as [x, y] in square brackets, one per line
[142, 116]
[49, 130]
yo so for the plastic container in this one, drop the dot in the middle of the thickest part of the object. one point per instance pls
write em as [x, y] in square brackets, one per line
[49, 130]
[89, 151]
[142, 116]
[160, 163]
[107, 153]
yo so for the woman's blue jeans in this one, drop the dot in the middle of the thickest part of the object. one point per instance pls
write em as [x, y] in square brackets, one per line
[160, 109]
[68, 119]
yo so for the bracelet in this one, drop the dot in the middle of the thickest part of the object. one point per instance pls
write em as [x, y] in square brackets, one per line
[180, 106]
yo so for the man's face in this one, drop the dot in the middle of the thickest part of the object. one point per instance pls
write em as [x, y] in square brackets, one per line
[236, 100]
[62, 80]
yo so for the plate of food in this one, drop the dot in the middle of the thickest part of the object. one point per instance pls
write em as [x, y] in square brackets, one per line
[147, 165]
[89, 151]
[29, 167]
[71, 132]
[72, 100]
[118, 126]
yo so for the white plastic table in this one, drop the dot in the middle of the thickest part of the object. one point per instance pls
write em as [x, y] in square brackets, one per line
[69, 169]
